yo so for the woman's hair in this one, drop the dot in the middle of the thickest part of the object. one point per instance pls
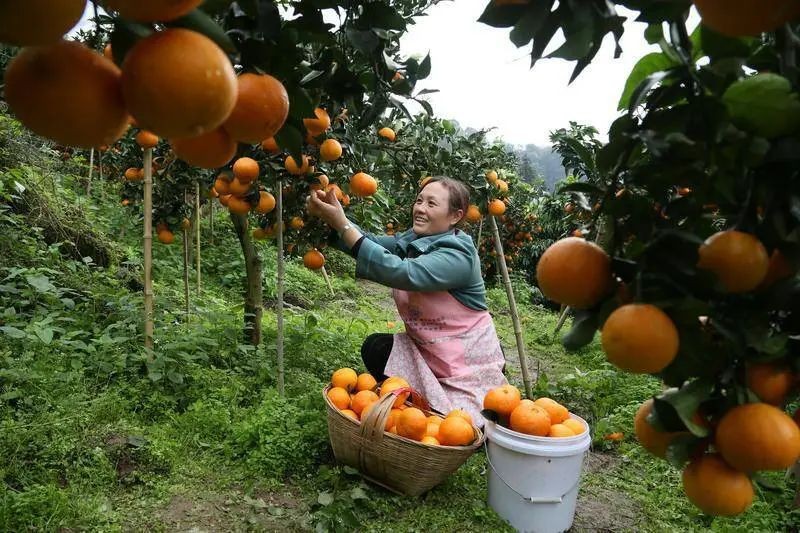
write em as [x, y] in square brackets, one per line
[458, 192]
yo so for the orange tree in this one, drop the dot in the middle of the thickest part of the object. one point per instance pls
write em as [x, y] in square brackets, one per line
[699, 188]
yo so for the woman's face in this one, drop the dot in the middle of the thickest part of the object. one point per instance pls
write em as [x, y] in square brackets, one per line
[431, 211]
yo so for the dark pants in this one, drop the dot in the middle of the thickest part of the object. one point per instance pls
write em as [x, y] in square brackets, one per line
[375, 353]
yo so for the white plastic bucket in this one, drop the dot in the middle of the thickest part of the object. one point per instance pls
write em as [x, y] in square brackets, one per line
[533, 481]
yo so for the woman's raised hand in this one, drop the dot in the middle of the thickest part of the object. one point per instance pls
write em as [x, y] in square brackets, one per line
[327, 207]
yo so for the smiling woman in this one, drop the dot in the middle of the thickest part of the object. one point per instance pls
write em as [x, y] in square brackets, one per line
[449, 351]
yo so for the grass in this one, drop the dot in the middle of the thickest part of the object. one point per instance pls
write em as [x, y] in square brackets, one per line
[96, 437]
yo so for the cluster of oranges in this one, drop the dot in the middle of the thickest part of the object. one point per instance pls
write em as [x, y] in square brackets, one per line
[354, 395]
[543, 417]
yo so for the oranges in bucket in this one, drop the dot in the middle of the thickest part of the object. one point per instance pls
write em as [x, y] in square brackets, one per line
[543, 417]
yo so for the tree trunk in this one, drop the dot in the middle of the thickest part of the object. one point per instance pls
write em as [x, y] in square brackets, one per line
[253, 299]
[91, 169]
[197, 230]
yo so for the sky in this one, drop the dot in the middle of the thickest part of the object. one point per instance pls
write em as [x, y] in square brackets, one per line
[485, 80]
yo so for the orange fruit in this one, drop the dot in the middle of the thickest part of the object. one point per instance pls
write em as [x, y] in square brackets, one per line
[292, 167]
[502, 186]
[738, 18]
[430, 440]
[339, 397]
[362, 184]
[259, 234]
[574, 272]
[473, 214]
[639, 338]
[224, 199]
[779, 268]
[455, 431]
[178, 83]
[153, 10]
[270, 145]
[391, 420]
[262, 106]
[738, 259]
[390, 385]
[758, 436]
[210, 150]
[350, 413]
[387, 133]
[412, 424]
[496, 207]
[460, 413]
[502, 400]
[165, 236]
[365, 380]
[245, 169]
[266, 203]
[323, 180]
[651, 439]
[558, 413]
[576, 426]
[238, 206]
[146, 139]
[330, 150]
[316, 126]
[771, 382]
[424, 181]
[345, 378]
[314, 260]
[432, 429]
[433, 419]
[68, 93]
[186, 224]
[716, 488]
[222, 184]
[38, 22]
[238, 188]
[530, 419]
[362, 399]
[560, 430]
[134, 174]
[297, 223]
[491, 176]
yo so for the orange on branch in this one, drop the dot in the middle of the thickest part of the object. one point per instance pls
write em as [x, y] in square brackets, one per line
[38, 22]
[262, 105]
[330, 150]
[292, 168]
[147, 139]
[387, 133]
[363, 185]
[738, 259]
[639, 338]
[266, 203]
[245, 169]
[67, 93]
[715, 487]
[574, 272]
[318, 125]
[178, 83]
[314, 260]
[211, 150]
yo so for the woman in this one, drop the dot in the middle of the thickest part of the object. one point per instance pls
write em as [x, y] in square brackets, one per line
[449, 352]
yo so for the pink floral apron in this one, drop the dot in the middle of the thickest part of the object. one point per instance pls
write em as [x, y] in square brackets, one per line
[449, 352]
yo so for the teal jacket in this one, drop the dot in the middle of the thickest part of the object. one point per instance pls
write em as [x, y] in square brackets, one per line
[442, 262]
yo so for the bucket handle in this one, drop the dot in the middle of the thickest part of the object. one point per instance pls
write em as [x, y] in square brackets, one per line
[530, 499]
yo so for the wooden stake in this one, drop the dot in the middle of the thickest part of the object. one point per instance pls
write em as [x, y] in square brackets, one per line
[327, 280]
[186, 261]
[480, 230]
[197, 232]
[148, 251]
[279, 310]
[91, 169]
[211, 221]
[562, 318]
[498, 246]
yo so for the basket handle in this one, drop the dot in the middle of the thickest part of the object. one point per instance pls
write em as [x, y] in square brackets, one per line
[373, 425]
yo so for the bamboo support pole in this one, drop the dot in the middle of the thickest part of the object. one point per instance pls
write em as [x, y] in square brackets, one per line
[280, 283]
[327, 280]
[148, 250]
[513, 306]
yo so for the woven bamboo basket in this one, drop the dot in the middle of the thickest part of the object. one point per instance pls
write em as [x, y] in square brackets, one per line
[402, 465]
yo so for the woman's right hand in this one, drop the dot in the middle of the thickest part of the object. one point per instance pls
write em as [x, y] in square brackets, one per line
[327, 207]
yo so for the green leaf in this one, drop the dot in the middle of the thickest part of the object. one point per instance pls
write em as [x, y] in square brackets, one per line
[424, 69]
[40, 283]
[13, 332]
[525, 29]
[358, 494]
[325, 498]
[718, 46]
[680, 450]
[647, 65]
[201, 22]
[45, 335]
[499, 16]
[684, 403]
[381, 15]
[290, 138]
[763, 104]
